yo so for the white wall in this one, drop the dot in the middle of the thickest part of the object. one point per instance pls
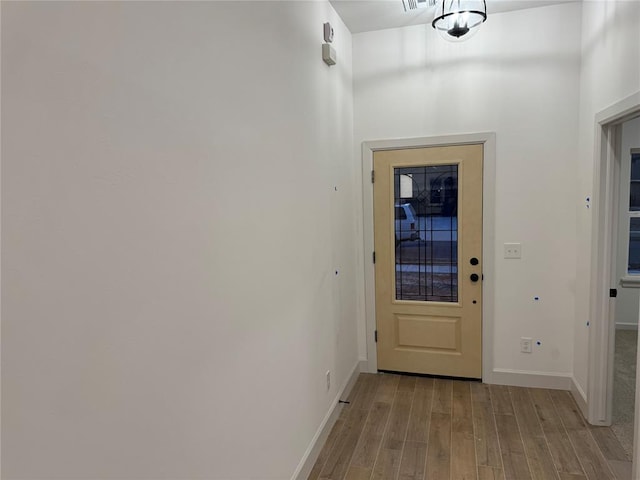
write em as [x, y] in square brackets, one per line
[522, 84]
[170, 233]
[610, 72]
[628, 297]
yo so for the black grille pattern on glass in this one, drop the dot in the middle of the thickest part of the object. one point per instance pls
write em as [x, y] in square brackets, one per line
[633, 265]
[426, 231]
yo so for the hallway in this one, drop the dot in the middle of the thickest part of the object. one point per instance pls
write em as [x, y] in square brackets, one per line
[411, 428]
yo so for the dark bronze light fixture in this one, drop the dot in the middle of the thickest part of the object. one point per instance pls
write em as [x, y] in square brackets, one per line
[458, 20]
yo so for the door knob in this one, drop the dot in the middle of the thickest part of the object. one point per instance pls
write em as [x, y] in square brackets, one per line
[474, 277]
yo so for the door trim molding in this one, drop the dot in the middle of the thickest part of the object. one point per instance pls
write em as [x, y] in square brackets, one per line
[488, 140]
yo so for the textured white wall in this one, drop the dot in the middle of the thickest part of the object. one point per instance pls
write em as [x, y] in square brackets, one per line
[610, 72]
[517, 81]
[628, 298]
[171, 230]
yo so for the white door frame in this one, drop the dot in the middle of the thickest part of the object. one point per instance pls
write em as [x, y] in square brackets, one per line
[601, 346]
[488, 140]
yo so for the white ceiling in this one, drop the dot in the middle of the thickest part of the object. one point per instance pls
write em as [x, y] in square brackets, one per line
[368, 15]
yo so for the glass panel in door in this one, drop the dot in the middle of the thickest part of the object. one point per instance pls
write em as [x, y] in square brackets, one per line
[426, 233]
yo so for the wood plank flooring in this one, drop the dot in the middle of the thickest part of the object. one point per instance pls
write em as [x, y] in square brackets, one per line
[415, 428]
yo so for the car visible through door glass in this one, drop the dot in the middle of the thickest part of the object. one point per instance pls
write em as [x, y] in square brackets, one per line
[406, 223]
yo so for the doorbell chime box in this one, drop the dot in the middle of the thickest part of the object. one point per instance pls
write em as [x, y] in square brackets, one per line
[328, 54]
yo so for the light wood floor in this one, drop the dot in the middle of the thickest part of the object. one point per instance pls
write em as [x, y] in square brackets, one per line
[414, 428]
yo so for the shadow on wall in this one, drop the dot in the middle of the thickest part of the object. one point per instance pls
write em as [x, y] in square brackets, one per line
[454, 63]
[614, 18]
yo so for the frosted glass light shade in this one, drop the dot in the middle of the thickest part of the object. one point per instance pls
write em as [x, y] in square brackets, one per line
[458, 20]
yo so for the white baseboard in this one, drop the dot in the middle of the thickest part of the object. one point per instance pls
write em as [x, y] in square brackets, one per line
[521, 378]
[313, 451]
[364, 366]
[626, 326]
[579, 396]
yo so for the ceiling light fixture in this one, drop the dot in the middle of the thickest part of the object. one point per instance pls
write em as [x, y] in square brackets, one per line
[459, 20]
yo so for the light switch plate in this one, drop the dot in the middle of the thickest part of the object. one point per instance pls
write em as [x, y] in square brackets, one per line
[512, 250]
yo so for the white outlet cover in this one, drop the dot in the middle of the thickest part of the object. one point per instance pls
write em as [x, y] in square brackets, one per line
[512, 250]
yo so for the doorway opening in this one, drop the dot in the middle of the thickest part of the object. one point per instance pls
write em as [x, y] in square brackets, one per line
[627, 275]
[615, 283]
